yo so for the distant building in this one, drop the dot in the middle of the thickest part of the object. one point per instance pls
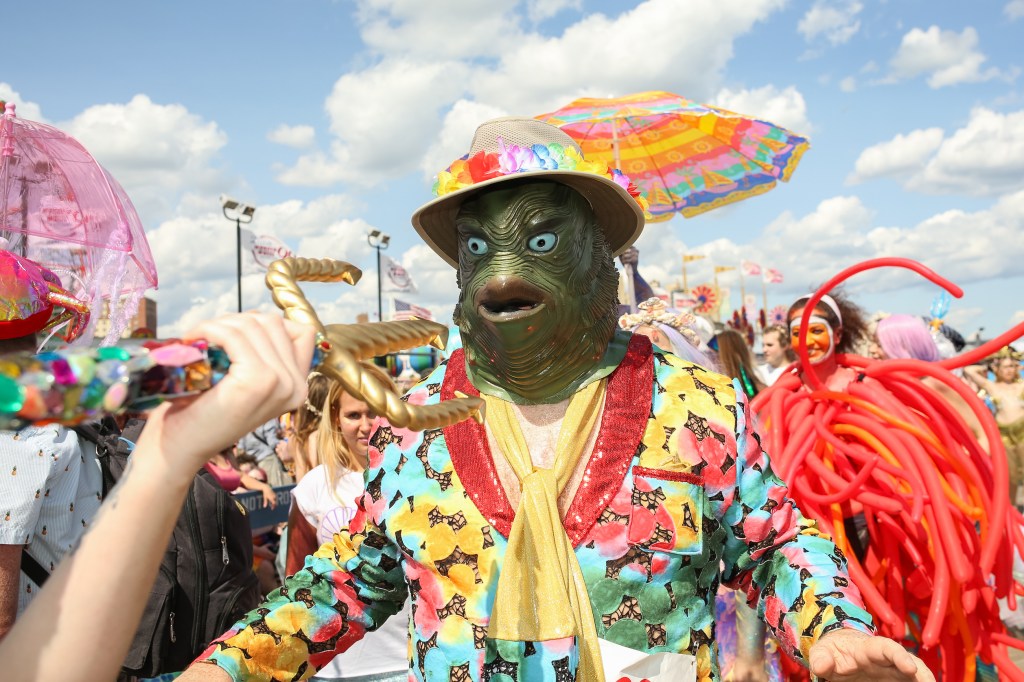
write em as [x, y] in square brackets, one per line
[142, 324]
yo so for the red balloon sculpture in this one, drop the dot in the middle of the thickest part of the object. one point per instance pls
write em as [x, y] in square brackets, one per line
[941, 530]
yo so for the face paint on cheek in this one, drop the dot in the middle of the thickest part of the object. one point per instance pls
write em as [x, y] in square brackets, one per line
[820, 341]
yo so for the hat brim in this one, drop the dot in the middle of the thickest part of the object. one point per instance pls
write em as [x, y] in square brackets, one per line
[618, 214]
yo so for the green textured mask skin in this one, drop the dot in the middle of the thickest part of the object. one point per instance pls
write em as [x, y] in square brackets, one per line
[538, 293]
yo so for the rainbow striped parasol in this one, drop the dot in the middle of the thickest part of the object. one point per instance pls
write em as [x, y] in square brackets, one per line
[685, 157]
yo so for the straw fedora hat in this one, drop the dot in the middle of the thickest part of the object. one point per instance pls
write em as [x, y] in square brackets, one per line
[513, 148]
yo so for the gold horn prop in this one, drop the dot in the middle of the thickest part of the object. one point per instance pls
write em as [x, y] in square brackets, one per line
[346, 344]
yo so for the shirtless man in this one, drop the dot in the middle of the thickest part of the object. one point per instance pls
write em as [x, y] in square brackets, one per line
[1007, 393]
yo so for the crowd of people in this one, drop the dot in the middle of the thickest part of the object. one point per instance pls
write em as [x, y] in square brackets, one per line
[613, 494]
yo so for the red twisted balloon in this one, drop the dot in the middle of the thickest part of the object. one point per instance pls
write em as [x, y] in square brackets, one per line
[940, 531]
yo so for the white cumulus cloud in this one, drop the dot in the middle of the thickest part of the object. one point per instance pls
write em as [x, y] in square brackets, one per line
[785, 107]
[299, 137]
[383, 120]
[983, 158]
[440, 29]
[158, 152]
[23, 108]
[964, 246]
[902, 155]
[542, 73]
[945, 57]
[836, 22]
[199, 248]
[439, 63]
[456, 133]
[539, 10]
[1014, 9]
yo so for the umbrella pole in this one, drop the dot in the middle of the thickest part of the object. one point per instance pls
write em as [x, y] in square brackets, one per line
[718, 294]
[764, 298]
[743, 293]
[615, 144]
[685, 285]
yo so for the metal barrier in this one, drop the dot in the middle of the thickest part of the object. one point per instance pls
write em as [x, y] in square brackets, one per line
[261, 518]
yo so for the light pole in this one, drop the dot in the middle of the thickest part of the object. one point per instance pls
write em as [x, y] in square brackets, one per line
[379, 241]
[242, 215]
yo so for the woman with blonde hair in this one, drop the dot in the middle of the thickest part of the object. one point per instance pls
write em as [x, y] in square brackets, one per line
[324, 502]
[736, 360]
[303, 439]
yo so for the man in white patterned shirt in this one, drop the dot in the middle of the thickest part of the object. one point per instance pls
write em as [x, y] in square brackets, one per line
[50, 486]
[49, 492]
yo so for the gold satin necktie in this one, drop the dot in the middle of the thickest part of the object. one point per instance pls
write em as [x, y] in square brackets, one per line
[541, 594]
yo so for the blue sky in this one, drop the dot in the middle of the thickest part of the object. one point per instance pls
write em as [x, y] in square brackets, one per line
[332, 117]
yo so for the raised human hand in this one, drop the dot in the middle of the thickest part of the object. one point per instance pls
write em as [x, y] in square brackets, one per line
[852, 656]
[630, 256]
[270, 358]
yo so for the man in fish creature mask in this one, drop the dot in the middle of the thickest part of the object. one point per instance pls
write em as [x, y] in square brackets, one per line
[537, 308]
[611, 490]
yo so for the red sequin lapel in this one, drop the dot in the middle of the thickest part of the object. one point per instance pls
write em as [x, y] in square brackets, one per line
[626, 409]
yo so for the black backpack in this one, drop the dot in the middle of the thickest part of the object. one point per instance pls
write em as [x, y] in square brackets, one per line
[206, 581]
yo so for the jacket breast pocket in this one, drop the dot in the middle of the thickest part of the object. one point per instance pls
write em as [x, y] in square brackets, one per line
[667, 508]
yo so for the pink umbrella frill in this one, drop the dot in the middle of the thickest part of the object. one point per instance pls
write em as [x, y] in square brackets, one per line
[62, 209]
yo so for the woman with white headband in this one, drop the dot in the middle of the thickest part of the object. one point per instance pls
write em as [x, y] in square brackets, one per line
[836, 326]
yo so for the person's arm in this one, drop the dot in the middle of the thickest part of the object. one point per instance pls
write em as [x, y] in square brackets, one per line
[106, 582]
[749, 664]
[263, 553]
[10, 578]
[250, 483]
[978, 374]
[814, 611]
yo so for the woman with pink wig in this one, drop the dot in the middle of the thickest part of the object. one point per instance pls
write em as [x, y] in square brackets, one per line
[904, 336]
[908, 337]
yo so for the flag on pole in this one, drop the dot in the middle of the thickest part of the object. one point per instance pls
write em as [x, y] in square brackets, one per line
[750, 268]
[772, 276]
[724, 268]
[690, 257]
[394, 277]
[260, 250]
[405, 310]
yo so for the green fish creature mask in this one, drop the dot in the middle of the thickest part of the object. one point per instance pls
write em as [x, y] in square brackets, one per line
[538, 292]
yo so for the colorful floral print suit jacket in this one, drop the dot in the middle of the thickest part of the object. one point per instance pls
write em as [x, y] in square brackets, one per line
[677, 496]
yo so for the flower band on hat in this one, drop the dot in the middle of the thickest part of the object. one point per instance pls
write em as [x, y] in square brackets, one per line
[470, 170]
[512, 148]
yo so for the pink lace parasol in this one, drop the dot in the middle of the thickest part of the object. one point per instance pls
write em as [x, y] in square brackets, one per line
[60, 208]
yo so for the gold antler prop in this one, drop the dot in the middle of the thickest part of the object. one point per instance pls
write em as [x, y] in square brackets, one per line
[284, 275]
[346, 344]
[390, 337]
